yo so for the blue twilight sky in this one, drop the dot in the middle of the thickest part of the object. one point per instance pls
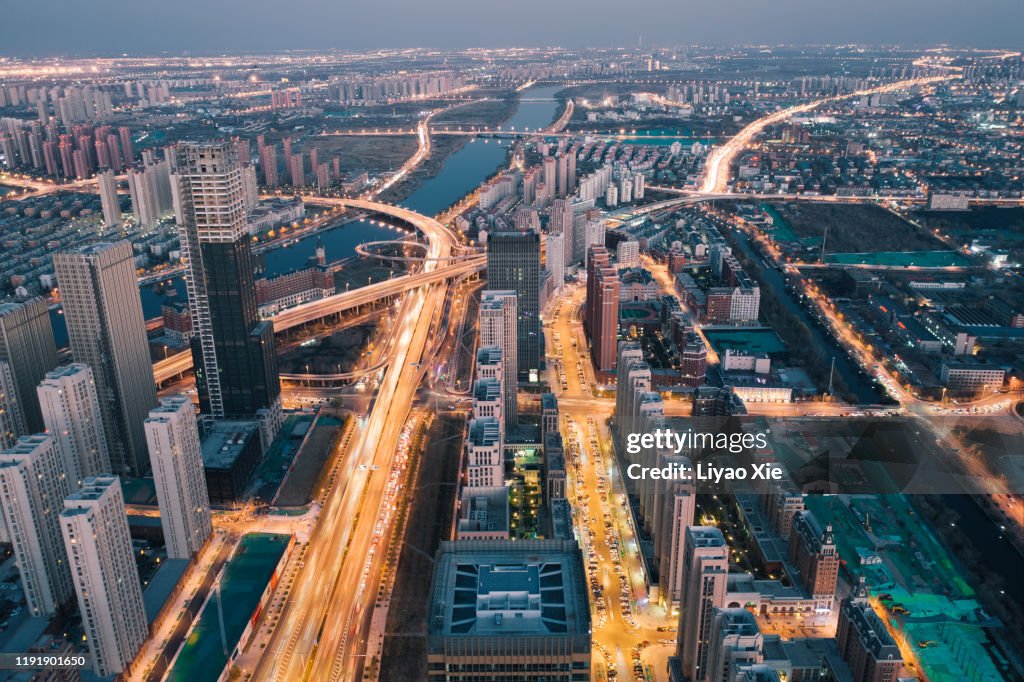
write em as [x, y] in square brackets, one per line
[110, 27]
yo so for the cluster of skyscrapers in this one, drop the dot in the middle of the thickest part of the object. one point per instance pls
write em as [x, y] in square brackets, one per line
[67, 433]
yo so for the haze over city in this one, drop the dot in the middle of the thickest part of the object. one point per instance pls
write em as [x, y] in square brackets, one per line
[112, 27]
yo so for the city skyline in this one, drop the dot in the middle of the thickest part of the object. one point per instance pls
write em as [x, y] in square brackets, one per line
[457, 24]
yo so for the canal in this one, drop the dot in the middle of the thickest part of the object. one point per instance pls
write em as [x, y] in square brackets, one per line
[856, 381]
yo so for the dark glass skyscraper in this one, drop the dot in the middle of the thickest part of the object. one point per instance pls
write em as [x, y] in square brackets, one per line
[513, 263]
[233, 350]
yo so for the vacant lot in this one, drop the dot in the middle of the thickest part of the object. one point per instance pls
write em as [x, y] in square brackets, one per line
[855, 228]
[371, 154]
[481, 114]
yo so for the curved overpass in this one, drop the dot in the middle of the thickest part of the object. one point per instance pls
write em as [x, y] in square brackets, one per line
[440, 243]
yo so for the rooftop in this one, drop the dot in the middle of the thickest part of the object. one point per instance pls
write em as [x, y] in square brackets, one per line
[226, 441]
[499, 587]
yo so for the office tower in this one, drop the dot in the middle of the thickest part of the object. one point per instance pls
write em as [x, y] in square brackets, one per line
[32, 490]
[707, 568]
[177, 461]
[736, 644]
[513, 263]
[518, 607]
[73, 416]
[555, 244]
[99, 549]
[864, 642]
[232, 350]
[813, 552]
[28, 348]
[499, 327]
[12, 418]
[601, 314]
[108, 199]
[107, 331]
[485, 454]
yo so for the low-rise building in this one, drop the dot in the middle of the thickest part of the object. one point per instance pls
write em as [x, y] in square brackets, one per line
[509, 610]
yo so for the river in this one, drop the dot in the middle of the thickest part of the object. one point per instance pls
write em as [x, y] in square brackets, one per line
[460, 174]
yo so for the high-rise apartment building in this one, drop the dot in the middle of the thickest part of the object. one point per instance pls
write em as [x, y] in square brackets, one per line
[107, 331]
[233, 350]
[555, 255]
[601, 315]
[28, 348]
[177, 460]
[32, 490]
[12, 419]
[109, 201]
[513, 264]
[707, 568]
[499, 326]
[150, 188]
[99, 548]
[74, 418]
[673, 511]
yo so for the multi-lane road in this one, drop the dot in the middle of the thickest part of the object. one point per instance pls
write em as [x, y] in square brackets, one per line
[719, 161]
[319, 627]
